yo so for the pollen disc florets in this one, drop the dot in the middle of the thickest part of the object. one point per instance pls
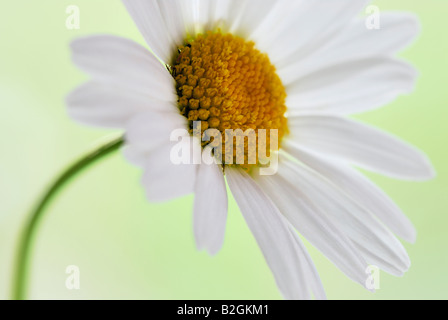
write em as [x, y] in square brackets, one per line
[225, 83]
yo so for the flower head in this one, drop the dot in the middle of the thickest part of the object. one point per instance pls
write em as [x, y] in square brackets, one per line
[286, 74]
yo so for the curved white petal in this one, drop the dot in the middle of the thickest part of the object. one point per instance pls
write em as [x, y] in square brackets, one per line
[378, 245]
[177, 16]
[105, 105]
[165, 24]
[189, 17]
[247, 15]
[184, 18]
[314, 225]
[224, 13]
[150, 130]
[210, 208]
[307, 265]
[205, 14]
[362, 145]
[165, 180]
[351, 87]
[292, 30]
[126, 64]
[359, 188]
[150, 21]
[357, 42]
[147, 131]
[272, 234]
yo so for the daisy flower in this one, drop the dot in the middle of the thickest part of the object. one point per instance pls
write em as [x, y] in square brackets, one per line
[299, 68]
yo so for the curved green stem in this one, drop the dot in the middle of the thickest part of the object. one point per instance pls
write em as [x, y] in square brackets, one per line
[20, 279]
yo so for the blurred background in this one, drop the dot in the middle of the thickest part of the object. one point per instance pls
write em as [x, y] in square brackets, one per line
[127, 248]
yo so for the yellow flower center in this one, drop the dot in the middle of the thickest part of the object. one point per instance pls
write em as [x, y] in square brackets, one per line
[224, 82]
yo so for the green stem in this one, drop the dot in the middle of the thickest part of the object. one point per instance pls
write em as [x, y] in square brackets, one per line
[21, 266]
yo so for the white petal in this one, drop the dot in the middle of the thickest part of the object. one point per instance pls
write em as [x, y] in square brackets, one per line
[177, 18]
[148, 131]
[294, 29]
[362, 145]
[223, 13]
[165, 24]
[164, 180]
[314, 225]
[351, 87]
[248, 15]
[184, 18]
[203, 13]
[104, 105]
[359, 188]
[378, 245]
[272, 234]
[310, 271]
[126, 64]
[355, 42]
[151, 129]
[190, 17]
[210, 208]
[150, 21]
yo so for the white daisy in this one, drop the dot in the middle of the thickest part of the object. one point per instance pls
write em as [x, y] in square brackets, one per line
[297, 66]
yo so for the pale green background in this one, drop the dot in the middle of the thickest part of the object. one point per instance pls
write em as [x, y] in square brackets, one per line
[127, 248]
